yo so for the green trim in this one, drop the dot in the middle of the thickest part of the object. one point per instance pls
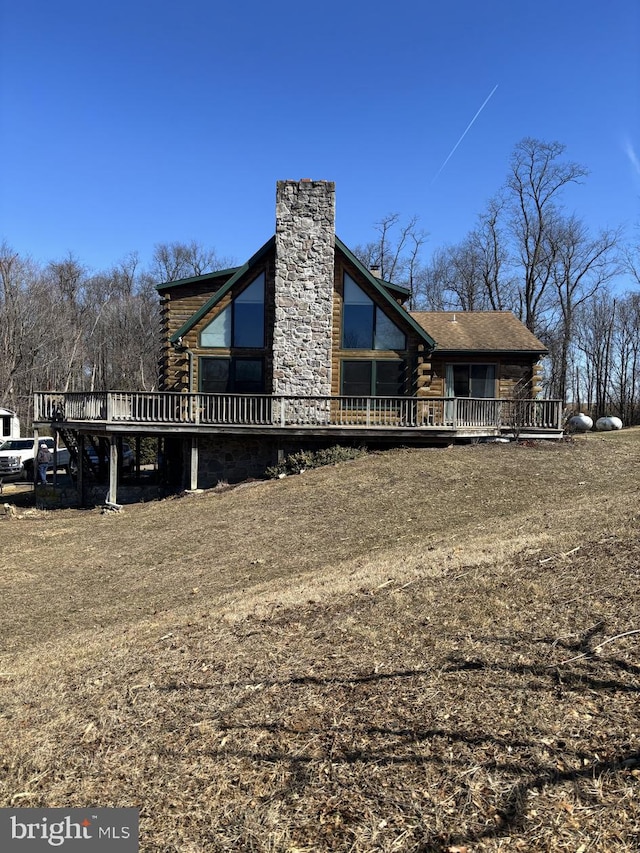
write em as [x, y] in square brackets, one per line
[397, 288]
[379, 286]
[207, 276]
[240, 271]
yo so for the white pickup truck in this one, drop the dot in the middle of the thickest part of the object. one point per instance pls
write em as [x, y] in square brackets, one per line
[17, 456]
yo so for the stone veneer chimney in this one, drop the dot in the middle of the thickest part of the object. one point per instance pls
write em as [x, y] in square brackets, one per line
[305, 241]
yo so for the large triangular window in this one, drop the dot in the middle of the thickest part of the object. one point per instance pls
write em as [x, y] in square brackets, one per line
[365, 325]
[240, 324]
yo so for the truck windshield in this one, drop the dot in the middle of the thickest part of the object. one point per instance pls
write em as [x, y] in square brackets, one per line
[17, 444]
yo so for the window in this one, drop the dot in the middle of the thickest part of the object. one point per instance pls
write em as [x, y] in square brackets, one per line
[471, 380]
[373, 378]
[232, 375]
[364, 325]
[240, 324]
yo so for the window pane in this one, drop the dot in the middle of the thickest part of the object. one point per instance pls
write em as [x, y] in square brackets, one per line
[356, 378]
[390, 378]
[218, 332]
[460, 380]
[483, 380]
[357, 327]
[354, 295]
[253, 293]
[248, 324]
[388, 335]
[214, 375]
[248, 376]
[357, 317]
[248, 320]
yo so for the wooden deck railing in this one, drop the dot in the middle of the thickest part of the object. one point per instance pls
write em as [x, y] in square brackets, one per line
[262, 410]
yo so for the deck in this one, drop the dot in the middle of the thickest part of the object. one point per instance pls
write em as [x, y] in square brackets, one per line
[396, 418]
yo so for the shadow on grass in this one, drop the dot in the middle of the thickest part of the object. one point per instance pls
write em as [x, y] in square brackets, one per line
[278, 742]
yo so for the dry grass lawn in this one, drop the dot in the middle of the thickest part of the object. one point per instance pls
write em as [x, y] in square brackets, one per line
[419, 650]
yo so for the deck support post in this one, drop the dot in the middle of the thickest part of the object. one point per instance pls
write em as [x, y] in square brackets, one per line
[193, 472]
[80, 480]
[36, 448]
[113, 470]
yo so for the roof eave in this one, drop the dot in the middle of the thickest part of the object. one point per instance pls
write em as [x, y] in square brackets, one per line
[207, 276]
[503, 351]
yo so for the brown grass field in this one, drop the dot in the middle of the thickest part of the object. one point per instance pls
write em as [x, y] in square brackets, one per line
[419, 650]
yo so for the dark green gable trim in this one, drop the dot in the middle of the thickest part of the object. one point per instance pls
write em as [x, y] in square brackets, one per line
[208, 276]
[237, 275]
[381, 288]
[238, 272]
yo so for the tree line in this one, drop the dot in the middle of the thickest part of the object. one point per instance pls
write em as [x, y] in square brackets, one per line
[528, 255]
[66, 328]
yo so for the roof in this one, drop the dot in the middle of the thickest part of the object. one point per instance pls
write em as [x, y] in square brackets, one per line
[479, 331]
[207, 276]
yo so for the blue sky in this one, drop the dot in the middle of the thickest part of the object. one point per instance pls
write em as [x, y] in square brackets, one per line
[125, 124]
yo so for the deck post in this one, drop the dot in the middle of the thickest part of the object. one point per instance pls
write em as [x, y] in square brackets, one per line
[193, 472]
[113, 470]
[36, 448]
[80, 480]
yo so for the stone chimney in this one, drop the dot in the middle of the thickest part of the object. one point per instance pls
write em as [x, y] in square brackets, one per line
[305, 241]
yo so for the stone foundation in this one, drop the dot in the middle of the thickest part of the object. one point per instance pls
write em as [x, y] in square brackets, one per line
[233, 460]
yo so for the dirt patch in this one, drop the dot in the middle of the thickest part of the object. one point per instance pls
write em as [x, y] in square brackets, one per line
[407, 652]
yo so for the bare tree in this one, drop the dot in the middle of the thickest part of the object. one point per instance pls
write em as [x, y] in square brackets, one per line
[594, 342]
[582, 265]
[535, 183]
[173, 261]
[491, 245]
[396, 253]
[24, 329]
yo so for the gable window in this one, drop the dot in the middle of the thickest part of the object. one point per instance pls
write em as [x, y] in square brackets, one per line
[471, 380]
[232, 375]
[240, 324]
[364, 324]
[376, 378]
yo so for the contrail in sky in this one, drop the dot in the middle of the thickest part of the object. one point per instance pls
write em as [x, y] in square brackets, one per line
[633, 157]
[467, 129]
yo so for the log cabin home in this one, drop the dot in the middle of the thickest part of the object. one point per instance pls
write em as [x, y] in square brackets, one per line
[302, 347]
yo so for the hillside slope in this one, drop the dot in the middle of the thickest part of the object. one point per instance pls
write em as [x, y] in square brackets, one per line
[411, 651]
